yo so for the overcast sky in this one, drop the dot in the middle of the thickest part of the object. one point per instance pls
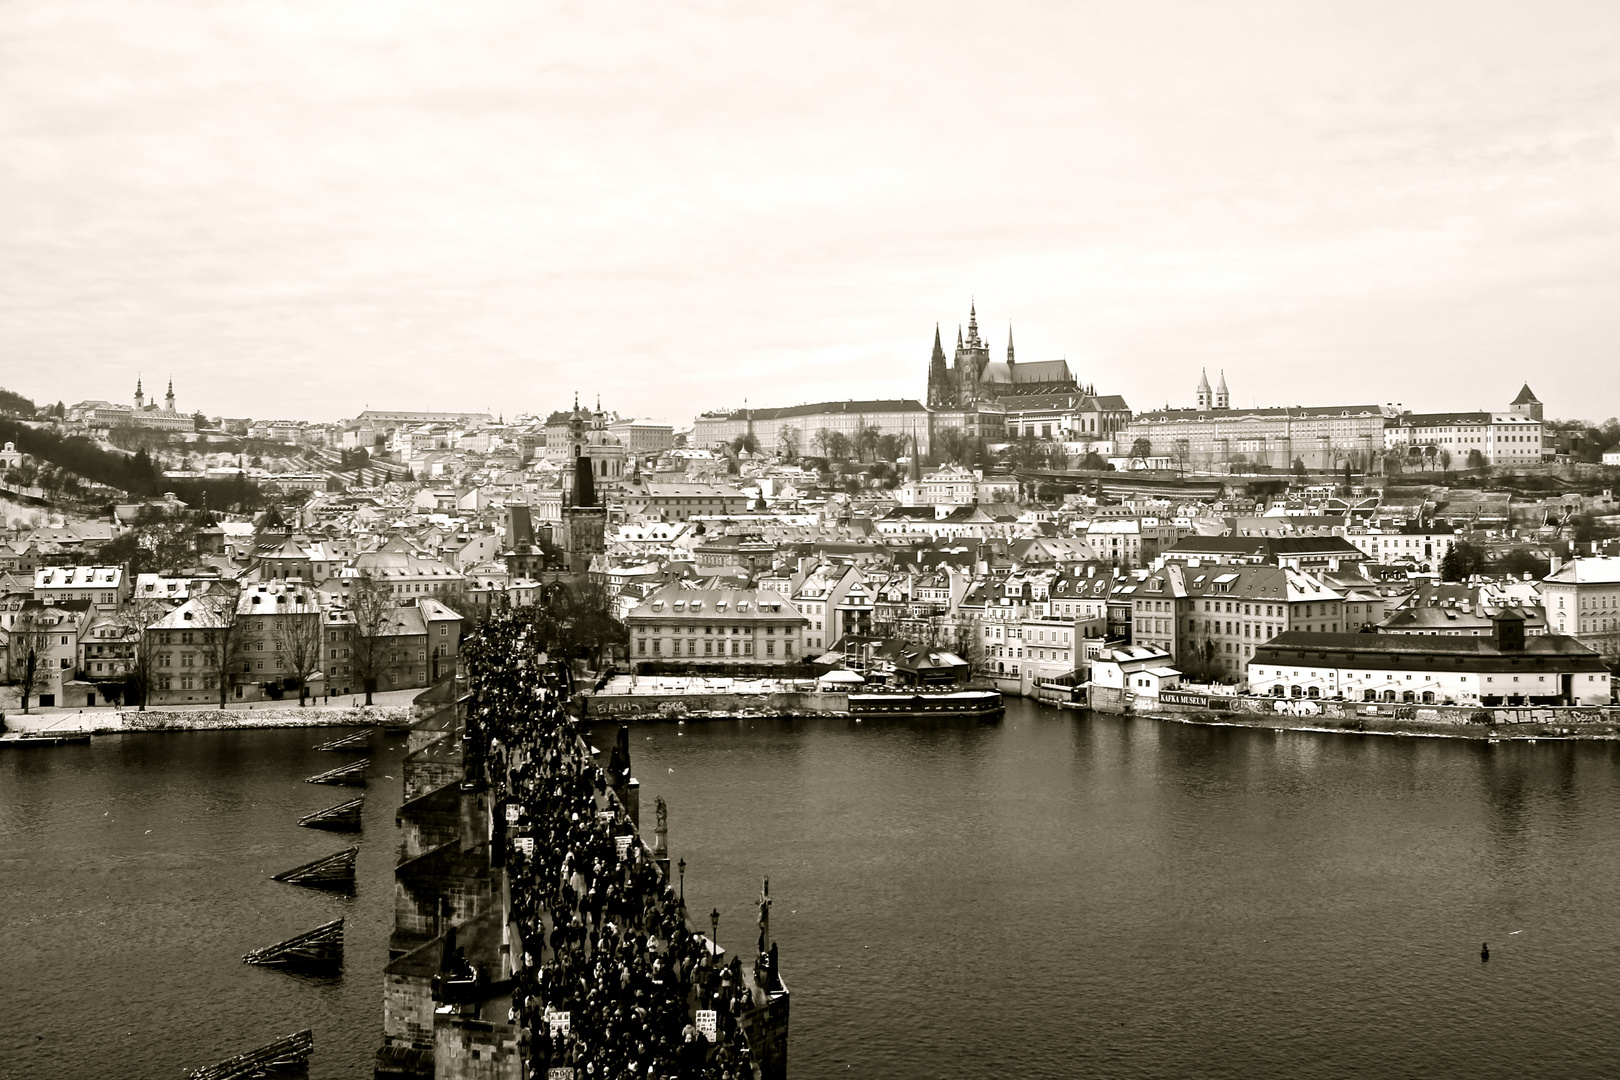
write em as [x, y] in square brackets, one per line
[302, 209]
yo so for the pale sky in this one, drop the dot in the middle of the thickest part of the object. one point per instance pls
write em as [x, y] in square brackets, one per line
[302, 209]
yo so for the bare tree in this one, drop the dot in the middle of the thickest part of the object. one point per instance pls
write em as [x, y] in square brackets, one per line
[220, 631]
[376, 621]
[866, 441]
[30, 652]
[787, 441]
[953, 445]
[1182, 453]
[834, 445]
[299, 633]
[138, 614]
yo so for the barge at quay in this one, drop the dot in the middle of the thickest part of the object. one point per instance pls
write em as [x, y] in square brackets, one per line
[695, 697]
[905, 704]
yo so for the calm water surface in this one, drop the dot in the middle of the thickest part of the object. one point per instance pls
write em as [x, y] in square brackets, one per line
[1056, 895]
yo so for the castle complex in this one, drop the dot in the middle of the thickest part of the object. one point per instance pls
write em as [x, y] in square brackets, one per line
[981, 398]
[1214, 436]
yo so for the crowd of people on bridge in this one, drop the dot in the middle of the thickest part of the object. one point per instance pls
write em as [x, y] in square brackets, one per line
[614, 983]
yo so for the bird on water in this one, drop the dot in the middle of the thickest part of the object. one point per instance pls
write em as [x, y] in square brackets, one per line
[1484, 952]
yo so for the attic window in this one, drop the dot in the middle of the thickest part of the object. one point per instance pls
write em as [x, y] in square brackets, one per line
[742, 605]
[256, 599]
[697, 605]
[658, 605]
[719, 605]
[678, 605]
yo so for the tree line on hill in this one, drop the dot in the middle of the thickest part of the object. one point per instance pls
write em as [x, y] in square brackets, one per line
[76, 455]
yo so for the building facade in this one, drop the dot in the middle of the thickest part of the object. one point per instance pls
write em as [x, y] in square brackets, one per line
[1211, 619]
[1582, 599]
[716, 628]
[1468, 439]
[104, 586]
[1504, 669]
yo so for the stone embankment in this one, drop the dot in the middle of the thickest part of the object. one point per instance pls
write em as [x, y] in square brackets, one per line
[120, 721]
[1369, 718]
[713, 705]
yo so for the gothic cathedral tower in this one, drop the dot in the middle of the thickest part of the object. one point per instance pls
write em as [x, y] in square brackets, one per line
[941, 387]
[584, 524]
[972, 356]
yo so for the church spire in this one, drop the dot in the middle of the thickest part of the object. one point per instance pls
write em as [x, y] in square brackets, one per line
[1009, 345]
[939, 377]
[973, 323]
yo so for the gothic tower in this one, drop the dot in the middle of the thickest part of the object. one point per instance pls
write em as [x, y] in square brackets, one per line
[1009, 349]
[972, 355]
[1223, 398]
[941, 389]
[1204, 396]
[584, 524]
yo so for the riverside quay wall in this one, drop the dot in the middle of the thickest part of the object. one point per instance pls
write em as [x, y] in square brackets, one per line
[117, 721]
[1456, 721]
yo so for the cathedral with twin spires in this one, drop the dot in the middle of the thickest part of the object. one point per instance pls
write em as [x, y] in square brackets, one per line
[972, 378]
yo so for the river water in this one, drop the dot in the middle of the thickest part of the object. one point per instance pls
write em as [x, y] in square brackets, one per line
[1055, 895]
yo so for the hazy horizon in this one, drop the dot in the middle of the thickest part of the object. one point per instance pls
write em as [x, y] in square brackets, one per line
[301, 211]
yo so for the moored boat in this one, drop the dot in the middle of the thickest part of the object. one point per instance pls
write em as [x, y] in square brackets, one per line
[984, 704]
[45, 738]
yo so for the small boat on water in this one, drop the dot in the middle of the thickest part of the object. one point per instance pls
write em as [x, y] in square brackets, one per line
[45, 738]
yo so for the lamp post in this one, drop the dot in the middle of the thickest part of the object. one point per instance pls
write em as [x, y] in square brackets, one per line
[682, 867]
[714, 925]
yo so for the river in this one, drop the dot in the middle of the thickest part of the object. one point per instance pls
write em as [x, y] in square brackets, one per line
[1055, 895]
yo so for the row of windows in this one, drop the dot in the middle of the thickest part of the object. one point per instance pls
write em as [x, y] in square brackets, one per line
[770, 631]
[1385, 676]
[738, 648]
